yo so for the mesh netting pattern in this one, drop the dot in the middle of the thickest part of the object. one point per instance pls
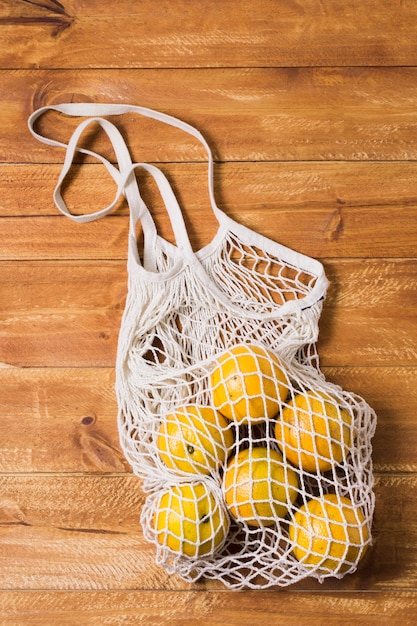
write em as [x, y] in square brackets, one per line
[258, 470]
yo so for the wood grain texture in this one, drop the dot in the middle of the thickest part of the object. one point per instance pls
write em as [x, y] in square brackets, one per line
[259, 114]
[74, 409]
[83, 532]
[68, 313]
[310, 107]
[165, 34]
[152, 608]
[241, 187]
[348, 209]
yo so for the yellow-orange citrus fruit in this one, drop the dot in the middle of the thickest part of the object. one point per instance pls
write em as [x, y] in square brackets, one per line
[313, 432]
[259, 488]
[194, 439]
[329, 534]
[189, 520]
[248, 384]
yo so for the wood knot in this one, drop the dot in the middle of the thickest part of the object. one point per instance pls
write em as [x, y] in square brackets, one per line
[335, 225]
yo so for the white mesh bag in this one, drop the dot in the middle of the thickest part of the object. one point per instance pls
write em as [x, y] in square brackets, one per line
[257, 470]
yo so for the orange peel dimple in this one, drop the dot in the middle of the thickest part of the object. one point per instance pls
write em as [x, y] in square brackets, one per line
[189, 520]
[194, 439]
[329, 533]
[259, 487]
[313, 432]
[248, 384]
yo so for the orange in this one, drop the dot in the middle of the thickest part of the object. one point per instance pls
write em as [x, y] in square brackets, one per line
[194, 439]
[259, 488]
[248, 384]
[314, 432]
[329, 533]
[189, 520]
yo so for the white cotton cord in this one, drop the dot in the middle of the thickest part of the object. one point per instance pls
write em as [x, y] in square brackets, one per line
[257, 470]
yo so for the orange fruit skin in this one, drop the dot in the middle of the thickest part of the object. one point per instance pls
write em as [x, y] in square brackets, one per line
[194, 439]
[188, 520]
[313, 432]
[248, 384]
[258, 487]
[329, 534]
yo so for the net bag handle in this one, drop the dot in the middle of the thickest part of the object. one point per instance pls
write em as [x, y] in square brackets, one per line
[125, 180]
[126, 185]
[89, 109]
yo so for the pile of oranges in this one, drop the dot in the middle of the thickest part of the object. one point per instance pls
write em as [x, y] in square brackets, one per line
[259, 483]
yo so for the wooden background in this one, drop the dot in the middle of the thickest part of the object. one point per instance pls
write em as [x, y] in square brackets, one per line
[311, 109]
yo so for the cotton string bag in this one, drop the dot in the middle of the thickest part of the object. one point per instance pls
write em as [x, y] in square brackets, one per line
[257, 470]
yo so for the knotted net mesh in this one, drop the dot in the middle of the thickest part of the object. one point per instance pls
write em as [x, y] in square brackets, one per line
[258, 470]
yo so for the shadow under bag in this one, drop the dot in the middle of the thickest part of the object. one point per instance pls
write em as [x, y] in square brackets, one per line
[257, 470]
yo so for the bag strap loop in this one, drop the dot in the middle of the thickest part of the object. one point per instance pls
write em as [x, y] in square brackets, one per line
[97, 110]
[124, 177]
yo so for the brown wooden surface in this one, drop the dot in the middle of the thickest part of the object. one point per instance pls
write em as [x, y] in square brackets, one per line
[311, 110]
[48, 33]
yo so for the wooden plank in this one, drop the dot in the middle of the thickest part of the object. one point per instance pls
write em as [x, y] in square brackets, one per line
[75, 411]
[67, 314]
[61, 314]
[246, 114]
[390, 392]
[239, 187]
[152, 608]
[347, 209]
[320, 157]
[175, 34]
[360, 319]
[50, 237]
[82, 532]
[338, 232]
